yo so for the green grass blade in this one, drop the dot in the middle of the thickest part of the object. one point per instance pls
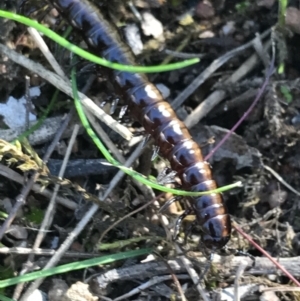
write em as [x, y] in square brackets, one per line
[73, 266]
[282, 12]
[90, 57]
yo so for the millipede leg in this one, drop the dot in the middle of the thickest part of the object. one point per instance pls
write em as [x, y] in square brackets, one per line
[155, 152]
[189, 231]
[242, 253]
[114, 106]
[179, 221]
[166, 176]
[169, 203]
[146, 139]
[123, 111]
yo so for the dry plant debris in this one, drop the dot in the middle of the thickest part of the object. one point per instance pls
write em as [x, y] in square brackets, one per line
[233, 40]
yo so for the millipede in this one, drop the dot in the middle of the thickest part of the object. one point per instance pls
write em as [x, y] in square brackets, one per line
[146, 105]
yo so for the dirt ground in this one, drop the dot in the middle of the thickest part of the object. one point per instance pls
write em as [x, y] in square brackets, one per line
[239, 43]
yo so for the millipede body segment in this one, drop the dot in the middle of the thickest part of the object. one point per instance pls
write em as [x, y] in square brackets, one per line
[147, 106]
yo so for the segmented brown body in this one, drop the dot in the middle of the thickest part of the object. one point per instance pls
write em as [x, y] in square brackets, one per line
[157, 117]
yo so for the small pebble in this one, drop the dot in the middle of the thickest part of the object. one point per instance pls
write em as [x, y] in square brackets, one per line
[205, 10]
[151, 26]
[206, 34]
[296, 120]
[164, 90]
[228, 28]
[37, 295]
[292, 19]
[133, 38]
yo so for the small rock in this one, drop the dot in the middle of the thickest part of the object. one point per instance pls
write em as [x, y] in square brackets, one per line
[292, 19]
[186, 20]
[58, 290]
[205, 10]
[133, 38]
[54, 242]
[296, 120]
[37, 295]
[248, 25]
[136, 202]
[18, 232]
[206, 34]
[276, 198]
[14, 111]
[164, 90]
[79, 292]
[228, 28]
[151, 26]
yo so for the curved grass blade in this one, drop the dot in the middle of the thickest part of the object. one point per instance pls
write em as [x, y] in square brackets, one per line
[73, 266]
[90, 57]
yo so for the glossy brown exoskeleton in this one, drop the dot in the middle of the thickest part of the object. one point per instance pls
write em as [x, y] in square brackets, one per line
[147, 106]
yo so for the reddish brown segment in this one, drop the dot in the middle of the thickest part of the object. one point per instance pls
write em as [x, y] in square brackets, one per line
[156, 115]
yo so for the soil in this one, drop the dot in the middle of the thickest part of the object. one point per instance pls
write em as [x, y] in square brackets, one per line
[262, 153]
